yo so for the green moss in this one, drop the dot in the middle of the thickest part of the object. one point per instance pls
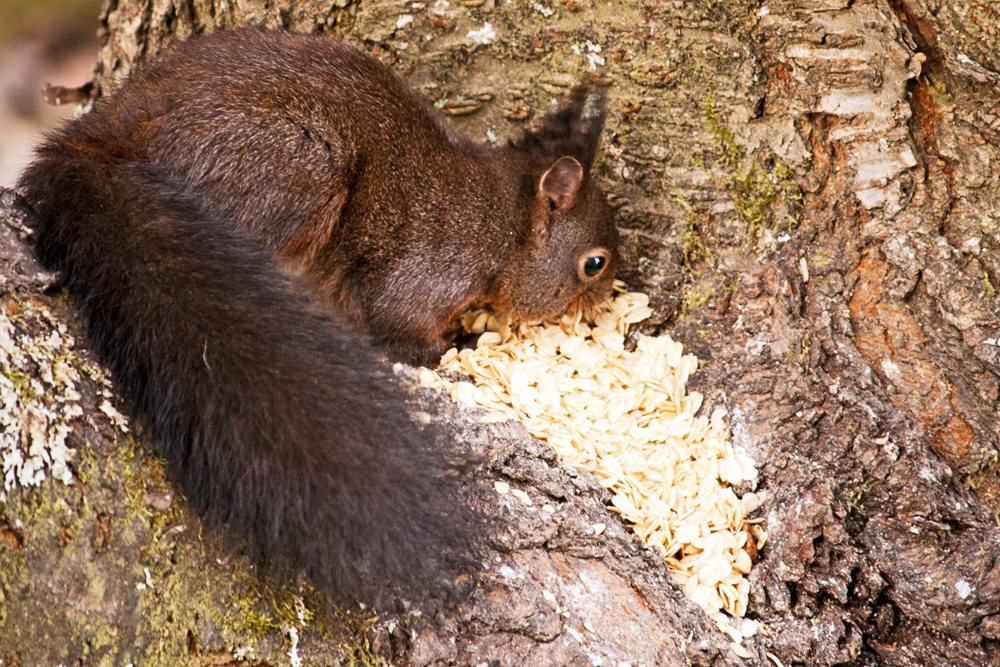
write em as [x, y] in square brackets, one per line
[986, 469]
[632, 246]
[363, 656]
[820, 259]
[247, 617]
[177, 592]
[257, 612]
[760, 187]
[692, 246]
[757, 190]
[85, 466]
[135, 492]
[52, 534]
[696, 296]
[732, 153]
[21, 382]
[17, 314]
[988, 290]
[938, 91]
[858, 489]
[292, 609]
[805, 346]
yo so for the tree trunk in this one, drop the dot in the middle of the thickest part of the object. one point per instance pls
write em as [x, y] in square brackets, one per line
[807, 192]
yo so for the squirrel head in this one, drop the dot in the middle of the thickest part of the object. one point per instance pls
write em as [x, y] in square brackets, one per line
[567, 246]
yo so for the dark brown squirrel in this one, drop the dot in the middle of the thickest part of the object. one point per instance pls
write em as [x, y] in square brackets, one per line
[201, 212]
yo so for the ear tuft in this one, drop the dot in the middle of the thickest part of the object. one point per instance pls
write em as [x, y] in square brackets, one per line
[573, 129]
[561, 182]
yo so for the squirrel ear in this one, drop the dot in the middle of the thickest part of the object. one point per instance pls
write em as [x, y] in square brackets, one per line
[561, 182]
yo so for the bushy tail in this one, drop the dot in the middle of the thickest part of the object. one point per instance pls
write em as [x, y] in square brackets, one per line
[273, 420]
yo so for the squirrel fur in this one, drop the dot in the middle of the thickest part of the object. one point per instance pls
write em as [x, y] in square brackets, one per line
[249, 224]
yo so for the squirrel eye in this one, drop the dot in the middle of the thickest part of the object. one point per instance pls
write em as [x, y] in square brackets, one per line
[591, 265]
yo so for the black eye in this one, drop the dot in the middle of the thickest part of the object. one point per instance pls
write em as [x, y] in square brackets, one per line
[591, 264]
[594, 265]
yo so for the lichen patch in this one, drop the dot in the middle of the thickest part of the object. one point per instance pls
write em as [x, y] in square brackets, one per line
[39, 400]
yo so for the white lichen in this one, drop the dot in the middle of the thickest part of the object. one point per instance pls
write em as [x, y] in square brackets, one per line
[39, 400]
[542, 9]
[592, 53]
[292, 630]
[485, 35]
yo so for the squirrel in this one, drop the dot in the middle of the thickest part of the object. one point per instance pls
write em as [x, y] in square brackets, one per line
[251, 223]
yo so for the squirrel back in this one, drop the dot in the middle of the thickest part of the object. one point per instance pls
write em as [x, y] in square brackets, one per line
[237, 212]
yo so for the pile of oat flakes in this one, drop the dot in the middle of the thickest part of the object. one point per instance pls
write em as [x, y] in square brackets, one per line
[625, 417]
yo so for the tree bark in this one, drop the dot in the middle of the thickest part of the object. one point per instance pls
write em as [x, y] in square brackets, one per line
[807, 191]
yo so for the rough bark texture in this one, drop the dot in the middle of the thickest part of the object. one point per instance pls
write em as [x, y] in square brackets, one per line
[113, 569]
[808, 192]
